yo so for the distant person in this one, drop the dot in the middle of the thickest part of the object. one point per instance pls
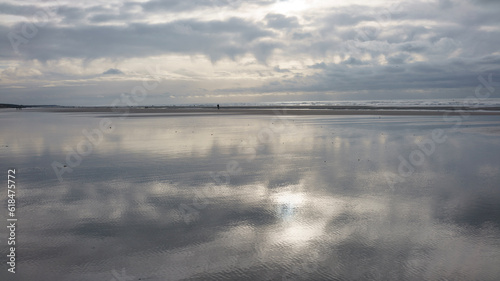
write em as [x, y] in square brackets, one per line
[218, 107]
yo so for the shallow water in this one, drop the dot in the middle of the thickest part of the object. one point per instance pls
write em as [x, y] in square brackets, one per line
[252, 197]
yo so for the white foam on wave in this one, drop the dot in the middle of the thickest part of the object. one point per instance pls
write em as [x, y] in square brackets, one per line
[406, 103]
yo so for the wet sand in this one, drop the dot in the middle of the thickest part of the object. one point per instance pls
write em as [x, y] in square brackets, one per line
[252, 197]
[294, 110]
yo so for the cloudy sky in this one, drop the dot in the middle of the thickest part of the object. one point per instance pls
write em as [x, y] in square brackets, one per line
[217, 51]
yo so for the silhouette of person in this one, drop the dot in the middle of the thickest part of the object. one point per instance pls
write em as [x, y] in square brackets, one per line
[218, 107]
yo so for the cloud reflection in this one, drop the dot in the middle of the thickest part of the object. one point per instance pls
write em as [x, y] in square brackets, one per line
[312, 204]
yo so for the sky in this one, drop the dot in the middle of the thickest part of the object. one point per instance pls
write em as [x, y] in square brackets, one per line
[225, 51]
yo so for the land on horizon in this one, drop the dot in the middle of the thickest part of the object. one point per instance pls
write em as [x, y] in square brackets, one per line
[270, 109]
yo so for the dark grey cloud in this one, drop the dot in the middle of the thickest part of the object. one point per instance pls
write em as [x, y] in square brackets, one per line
[320, 65]
[68, 14]
[456, 78]
[415, 47]
[18, 10]
[347, 16]
[301, 35]
[72, 14]
[112, 71]
[458, 12]
[353, 61]
[486, 2]
[216, 39]
[425, 68]
[104, 17]
[279, 21]
[264, 49]
[445, 4]
[100, 13]
[177, 6]
[280, 70]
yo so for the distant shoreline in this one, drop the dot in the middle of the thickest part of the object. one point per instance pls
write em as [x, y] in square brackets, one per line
[278, 110]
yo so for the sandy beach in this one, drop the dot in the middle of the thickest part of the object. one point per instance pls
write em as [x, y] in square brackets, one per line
[244, 194]
[292, 110]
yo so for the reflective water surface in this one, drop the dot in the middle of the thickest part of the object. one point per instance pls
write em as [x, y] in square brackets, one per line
[235, 197]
